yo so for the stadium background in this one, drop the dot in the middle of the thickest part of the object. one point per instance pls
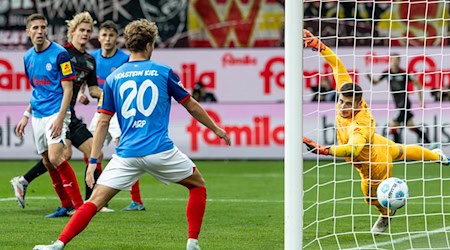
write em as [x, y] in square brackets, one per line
[235, 48]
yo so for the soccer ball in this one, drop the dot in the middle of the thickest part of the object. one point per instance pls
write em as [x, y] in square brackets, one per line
[392, 193]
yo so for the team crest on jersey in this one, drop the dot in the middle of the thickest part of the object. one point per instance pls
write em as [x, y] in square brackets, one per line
[181, 84]
[66, 68]
[48, 66]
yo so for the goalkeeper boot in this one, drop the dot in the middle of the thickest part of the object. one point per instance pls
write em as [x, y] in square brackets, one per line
[19, 190]
[58, 245]
[192, 244]
[310, 41]
[443, 158]
[381, 225]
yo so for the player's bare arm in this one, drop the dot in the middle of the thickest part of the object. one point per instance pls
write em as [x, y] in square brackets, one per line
[100, 134]
[20, 128]
[374, 80]
[57, 125]
[95, 91]
[82, 98]
[197, 111]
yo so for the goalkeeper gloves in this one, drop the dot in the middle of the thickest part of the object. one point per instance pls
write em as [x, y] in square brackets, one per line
[309, 40]
[313, 147]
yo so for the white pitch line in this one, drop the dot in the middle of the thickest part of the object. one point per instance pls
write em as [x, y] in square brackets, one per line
[309, 202]
[156, 199]
[406, 238]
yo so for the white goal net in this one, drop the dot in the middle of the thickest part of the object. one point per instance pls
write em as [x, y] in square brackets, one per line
[383, 44]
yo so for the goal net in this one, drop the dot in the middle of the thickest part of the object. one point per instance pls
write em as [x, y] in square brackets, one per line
[383, 45]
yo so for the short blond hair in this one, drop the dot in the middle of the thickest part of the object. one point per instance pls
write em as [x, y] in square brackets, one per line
[83, 17]
[139, 33]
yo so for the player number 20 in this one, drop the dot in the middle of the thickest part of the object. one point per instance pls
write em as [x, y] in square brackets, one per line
[137, 95]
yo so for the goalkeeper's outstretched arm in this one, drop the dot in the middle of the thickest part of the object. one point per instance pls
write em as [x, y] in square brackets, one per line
[339, 71]
[352, 148]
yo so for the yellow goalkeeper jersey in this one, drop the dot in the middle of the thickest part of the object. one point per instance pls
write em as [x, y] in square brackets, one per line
[374, 159]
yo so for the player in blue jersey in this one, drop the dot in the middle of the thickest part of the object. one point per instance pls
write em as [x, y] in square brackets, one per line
[50, 72]
[108, 59]
[140, 92]
[79, 32]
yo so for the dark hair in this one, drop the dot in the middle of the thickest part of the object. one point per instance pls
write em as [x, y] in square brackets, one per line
[36, 16]
[351, 90]
[109, 25]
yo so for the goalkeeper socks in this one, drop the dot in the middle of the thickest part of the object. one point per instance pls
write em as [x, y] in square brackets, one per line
[418, 153]
[88, 189]
[78, 222]
[35, 171]
[195, 210]
[66, 202]
[70, 184]
[418, 131]
[136, 193]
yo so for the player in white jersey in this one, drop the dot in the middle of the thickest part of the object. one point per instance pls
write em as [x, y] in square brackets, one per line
[140, 92]
[108, 58]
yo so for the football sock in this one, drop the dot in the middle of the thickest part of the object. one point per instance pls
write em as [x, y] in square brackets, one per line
[136, 193]
[418, 153]
[195, 210]
[35, 172]
[418, 131]
[88, 189]
[70, 183]
[79, 221]
[99, 167]
[66, 202]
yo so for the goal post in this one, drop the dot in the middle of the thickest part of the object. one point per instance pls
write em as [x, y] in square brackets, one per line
[293, 206]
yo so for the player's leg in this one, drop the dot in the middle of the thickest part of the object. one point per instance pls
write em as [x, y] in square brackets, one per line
[421, 135]
[66, 202]
[82, 140]
[418, 153]
[173, 166]
[63, 168]
[80, 220]
[195, 209]
[394, 127]
[120, 174]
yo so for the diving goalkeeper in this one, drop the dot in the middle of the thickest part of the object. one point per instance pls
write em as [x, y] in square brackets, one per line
[370, 153]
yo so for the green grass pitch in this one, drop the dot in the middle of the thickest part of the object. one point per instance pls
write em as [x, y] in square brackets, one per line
[244, 210]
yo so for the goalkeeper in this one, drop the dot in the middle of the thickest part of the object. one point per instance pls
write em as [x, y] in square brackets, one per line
[370, 153]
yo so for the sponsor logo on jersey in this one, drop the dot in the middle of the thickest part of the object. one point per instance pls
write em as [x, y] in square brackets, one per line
[66, 68]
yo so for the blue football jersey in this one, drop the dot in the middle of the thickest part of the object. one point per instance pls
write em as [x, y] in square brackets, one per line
[45, 70]
[108, 64]
[140, 93]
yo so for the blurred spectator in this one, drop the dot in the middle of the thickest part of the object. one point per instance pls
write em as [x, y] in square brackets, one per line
[440, 94]
[200, 94]
[323, 92]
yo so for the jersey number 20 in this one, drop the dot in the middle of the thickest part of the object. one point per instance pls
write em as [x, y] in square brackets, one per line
[137, 95]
